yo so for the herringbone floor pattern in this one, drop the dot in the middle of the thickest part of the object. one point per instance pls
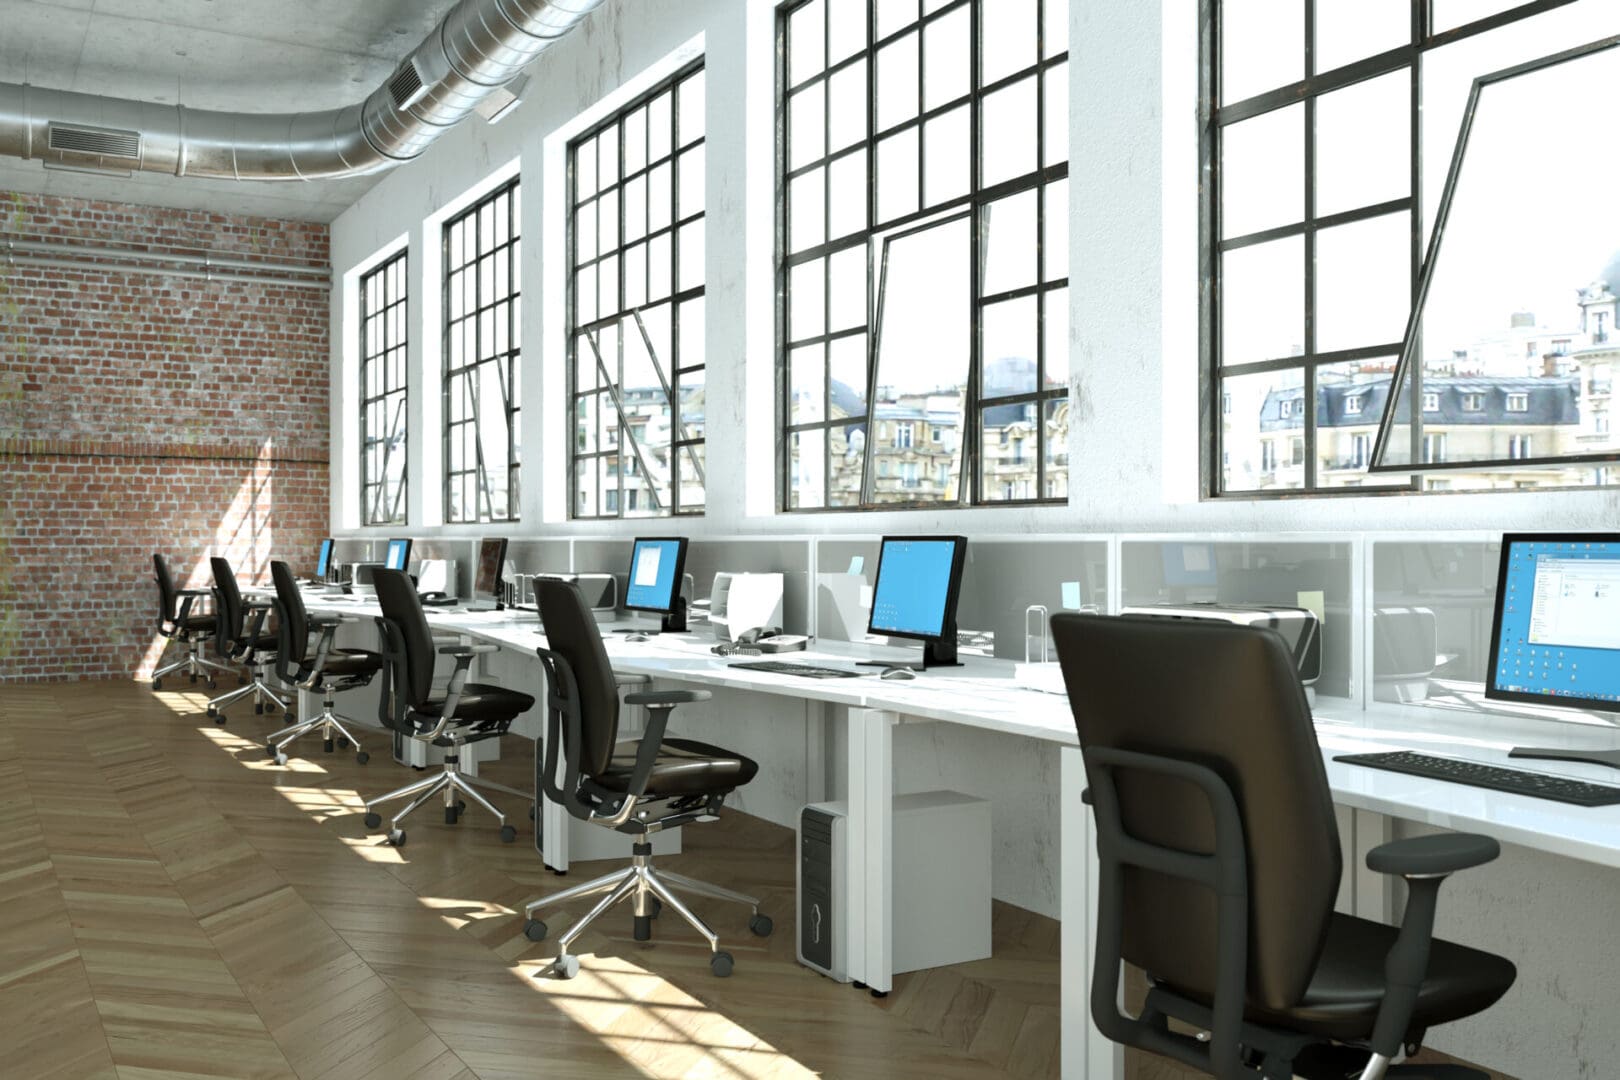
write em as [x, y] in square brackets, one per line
[175, 905]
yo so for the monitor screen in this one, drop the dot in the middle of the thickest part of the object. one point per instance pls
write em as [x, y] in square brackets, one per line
[918, 579]
[656, 567]
[1556, 633]
[491, 558]
[323, 561]
[399, 554]
[1189, 564]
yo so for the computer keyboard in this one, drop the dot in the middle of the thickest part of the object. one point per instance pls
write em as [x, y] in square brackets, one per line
[804, 671]
[1562, 789]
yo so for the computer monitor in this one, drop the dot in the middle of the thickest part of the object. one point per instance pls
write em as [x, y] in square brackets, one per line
[1189, 564]
[657, 565]
[323, 560]
[491, 560]
[919, 579]
[399, 554]
[1555, 637]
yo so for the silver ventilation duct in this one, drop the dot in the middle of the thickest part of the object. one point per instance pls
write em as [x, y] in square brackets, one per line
[478, 47]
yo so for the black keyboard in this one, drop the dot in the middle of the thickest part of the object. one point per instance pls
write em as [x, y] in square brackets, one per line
[1491, 777]
[804, 671]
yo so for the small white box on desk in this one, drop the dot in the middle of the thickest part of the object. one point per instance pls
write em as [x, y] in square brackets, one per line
[941, 883]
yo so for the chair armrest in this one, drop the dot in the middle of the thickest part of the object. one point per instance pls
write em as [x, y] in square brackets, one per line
[468, 650]
[1425, 862]
[1431, 856]
[631, 680]
[666, 699]
[192, 592]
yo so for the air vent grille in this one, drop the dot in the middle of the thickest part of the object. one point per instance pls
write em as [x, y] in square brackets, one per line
[73, 139]
[406, 85]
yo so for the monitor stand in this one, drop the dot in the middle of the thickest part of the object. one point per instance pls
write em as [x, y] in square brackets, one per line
[1610, 758]
[940, 652]
[675, 621]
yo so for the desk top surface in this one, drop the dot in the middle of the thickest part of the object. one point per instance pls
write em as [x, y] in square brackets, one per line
[984, 693]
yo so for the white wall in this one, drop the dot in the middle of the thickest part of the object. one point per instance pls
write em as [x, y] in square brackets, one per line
[1134, 297]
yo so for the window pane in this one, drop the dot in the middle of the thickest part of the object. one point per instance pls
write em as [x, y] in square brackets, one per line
[1363, 282]
[1260, 416]
[946, 64]
[807, 125]
[1010, 253]
[846, 372]
[807, 386]
[690, 101]
[807, 297]
[1262, 46]
[846, 107]
[1263, 172]
[946, 146]
[1007, 39]
[1346, 33]
[1009, 436]
[897, 87]
[1057, 339]
[848, 195]
[807, 211]
[1363, 146]
[1007, 133]
[897, 175]
[807, 41]
[848, 289]
[807, 463]
[1056, 242]
[1263, 302]
[1350, 399]
[1010, 332]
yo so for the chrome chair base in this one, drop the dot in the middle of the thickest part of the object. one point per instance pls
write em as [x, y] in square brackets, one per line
[328, 723]
[193, 663]
[452, 783]
[644, 886]
[265, 697]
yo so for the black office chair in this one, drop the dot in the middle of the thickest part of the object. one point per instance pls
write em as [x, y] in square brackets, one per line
[177, 624]
[467, 712]
[241, 637]
[637, 788]
[1220, 864]
[309, 663]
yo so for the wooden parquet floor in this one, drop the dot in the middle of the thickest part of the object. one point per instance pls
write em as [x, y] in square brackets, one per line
[173, 904]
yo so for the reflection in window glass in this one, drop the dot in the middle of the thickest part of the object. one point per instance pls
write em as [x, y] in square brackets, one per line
[637, 338]
[884, 230]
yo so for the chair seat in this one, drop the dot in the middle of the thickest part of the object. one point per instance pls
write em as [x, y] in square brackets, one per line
[195, 624]
[262, 643]
[683, 767]
[482, 703]
[1343, 997]
[347, 664]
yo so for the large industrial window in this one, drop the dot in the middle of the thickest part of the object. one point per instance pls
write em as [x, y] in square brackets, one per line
[636, 327]
[482, 348]
[924, 244]
[1329, 133]
[383, 312]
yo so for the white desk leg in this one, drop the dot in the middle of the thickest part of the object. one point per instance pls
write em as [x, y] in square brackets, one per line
[1086, 1054]
[870, 770]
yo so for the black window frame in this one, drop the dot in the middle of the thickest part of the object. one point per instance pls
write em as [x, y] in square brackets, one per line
[511, 360]
[682, 450]
[396, 412]
[972, 485]
[1213, 117]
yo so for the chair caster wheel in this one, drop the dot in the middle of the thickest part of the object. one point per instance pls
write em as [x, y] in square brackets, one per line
[657, 908]
[327, 746]
[157, 684]
[721, 963]
[281, 758]
[642, 927]
[534, 930]
[373, 820]
[531, 813]
[212, 712]
[241, 680]
[880, 994]
[212, 685]
[193, 678]
[396, 837]
[452, 814]
[287, 714]
[508, 834]
[343, 744]
[270, 752]
[565, 967]
[761, 925]
[258, 708]
[361, 758]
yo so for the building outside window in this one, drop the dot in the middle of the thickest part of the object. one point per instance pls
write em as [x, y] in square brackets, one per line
[1518, 402]
[637, 338]
[924, 257]
[384, 322]
[482, 350]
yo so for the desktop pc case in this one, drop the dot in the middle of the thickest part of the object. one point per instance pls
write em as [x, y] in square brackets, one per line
[941, 883]
[1299, 627]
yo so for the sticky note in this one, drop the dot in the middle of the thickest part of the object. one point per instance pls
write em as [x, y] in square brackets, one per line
[1313, 601]
[1071, 595]
[866, 596]
[857, 563]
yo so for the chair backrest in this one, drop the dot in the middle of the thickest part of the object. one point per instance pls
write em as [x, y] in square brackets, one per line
[166, 591]
[403, 608]
[293, 620]
[571, 632]
[229, 622]
[1227, 698]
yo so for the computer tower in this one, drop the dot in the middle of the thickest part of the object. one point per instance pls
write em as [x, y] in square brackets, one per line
[941, 878]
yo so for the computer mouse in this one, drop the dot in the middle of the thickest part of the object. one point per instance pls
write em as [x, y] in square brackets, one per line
[898, 673]
[635, 637]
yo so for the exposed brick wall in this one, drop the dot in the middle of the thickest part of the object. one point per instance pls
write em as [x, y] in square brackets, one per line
[145, 413]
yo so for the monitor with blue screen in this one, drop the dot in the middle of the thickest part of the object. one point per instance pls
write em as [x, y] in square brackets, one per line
[1555, 638]
[323, 561]
[1189, 564]
[918, 581]
[657, 565]
[399, 554]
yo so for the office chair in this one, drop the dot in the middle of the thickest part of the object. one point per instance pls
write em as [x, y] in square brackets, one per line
[1220, 864]
[182, 627]
[636, 788]
[326, 669]
[240, 637]
[467, 712]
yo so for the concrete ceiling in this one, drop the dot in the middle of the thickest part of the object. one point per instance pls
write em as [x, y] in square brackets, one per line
[247, 55]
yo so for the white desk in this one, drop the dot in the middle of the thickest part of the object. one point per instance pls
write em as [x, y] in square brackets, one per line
[983, 694]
